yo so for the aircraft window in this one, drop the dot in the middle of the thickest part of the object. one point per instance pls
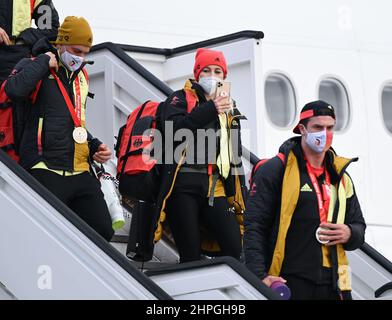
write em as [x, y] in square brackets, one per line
[280, 100]
[386, 103]
[334, 92]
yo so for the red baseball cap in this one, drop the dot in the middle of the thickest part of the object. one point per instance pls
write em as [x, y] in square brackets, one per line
[207, 57]
[314, 109]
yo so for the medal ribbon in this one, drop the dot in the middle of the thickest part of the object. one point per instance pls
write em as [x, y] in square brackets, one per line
[75, 111]
[323, 198]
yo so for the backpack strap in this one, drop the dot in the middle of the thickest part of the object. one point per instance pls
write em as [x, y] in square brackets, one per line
[254, 169]
[280, 155]
[6, 144]
[34, 95]
[32, 5]
[3, 96]
[85, 74]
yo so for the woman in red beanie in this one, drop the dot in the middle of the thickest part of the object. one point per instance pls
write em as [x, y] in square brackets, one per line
[201, 192]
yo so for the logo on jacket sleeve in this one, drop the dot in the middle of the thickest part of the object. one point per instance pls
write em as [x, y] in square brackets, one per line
[174, 101]
[253, 189]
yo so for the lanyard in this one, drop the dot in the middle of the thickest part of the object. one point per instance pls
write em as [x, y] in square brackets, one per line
[323, 198]
[76, 112]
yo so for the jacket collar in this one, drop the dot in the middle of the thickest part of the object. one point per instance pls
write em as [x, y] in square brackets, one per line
[335, 164]
[191, 84]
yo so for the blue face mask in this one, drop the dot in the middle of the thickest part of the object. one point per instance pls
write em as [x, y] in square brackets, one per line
[316, 140]
[71, 61]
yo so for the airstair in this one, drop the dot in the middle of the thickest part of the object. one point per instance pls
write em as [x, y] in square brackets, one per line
[47, 252]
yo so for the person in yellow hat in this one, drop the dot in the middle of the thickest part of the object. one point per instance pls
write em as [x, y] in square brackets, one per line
[56, 146]
[74, 41]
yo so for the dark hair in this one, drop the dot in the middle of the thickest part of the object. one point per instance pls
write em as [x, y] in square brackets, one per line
[304, 122]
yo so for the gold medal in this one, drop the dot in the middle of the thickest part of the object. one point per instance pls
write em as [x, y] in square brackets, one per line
[318, 236]
[79, 135]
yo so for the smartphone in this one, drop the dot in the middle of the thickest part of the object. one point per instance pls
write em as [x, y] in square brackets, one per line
[223, 90]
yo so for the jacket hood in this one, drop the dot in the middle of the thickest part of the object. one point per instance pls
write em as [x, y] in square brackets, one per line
[289, 144]
[191, 84]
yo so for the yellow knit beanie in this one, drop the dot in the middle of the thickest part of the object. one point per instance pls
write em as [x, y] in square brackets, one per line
[76, 31]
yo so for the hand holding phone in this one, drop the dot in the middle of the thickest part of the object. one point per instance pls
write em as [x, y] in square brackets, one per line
[223, 90]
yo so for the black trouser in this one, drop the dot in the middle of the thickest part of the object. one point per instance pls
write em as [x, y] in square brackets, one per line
[303, 289]
[9, 57]
[185, 212]
[81, 193]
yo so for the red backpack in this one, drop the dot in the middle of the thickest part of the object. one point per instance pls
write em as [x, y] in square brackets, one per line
[136, 168]
[7, 141]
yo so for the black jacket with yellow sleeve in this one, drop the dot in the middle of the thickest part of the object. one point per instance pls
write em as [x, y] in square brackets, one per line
[188, 109]
[270, 212]
[48, 125]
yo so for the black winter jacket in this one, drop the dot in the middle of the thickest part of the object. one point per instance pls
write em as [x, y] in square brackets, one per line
[57, 142]
[262, 215]
[203, 116]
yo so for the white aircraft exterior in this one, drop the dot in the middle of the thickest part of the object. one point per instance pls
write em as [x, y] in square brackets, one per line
[340, 51]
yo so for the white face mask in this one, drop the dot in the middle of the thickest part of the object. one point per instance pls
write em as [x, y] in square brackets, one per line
[71, 61]
[209, 84]
[316, 140]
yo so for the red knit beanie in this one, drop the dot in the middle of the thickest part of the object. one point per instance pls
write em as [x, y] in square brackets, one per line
[207, 57]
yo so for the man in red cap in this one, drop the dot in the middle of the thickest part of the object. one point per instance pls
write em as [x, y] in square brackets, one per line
[303, 213]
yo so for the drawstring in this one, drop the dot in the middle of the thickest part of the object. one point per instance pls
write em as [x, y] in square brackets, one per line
[214, 182]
